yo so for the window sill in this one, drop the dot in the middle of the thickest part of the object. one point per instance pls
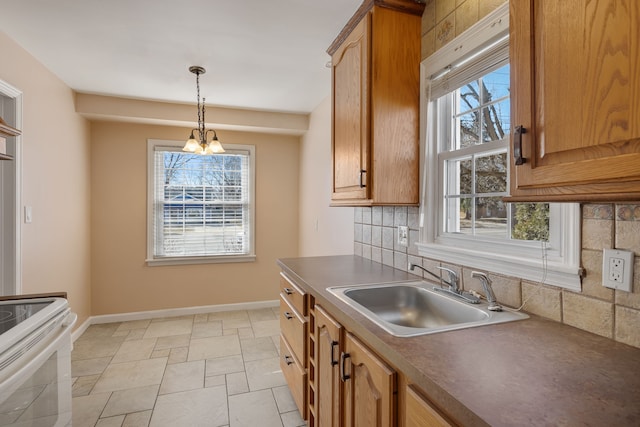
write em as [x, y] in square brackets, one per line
[222, 259]
[561, 275]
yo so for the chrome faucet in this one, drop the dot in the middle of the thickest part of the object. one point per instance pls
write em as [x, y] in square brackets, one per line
[453, 283]
[488, 290]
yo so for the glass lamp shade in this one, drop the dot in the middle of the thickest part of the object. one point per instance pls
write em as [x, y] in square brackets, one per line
[192, 144]
[215, 146]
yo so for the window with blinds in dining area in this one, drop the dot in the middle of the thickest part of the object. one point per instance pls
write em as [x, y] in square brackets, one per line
[200, 206]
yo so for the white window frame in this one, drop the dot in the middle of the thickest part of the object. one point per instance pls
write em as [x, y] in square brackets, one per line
[556, 262]
[151, 260]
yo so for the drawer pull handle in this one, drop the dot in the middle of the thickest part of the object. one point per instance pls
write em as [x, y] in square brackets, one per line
[343, 374]
[517, 145]
[288, 360]
[334, 345]
[288, 291]
[287, 315]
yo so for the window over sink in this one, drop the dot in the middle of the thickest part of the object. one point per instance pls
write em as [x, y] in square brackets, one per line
[466, 132]
[200, 207]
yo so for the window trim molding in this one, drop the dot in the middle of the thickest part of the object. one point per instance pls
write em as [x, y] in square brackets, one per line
[206, 259]
[562, 263]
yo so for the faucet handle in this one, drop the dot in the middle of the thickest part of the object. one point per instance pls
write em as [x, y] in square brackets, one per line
[453, 278]
[488, 290]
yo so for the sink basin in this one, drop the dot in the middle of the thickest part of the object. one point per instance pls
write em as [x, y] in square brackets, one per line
[414, 308]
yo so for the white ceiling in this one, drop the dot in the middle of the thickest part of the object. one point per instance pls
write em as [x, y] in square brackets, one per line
[258, 54]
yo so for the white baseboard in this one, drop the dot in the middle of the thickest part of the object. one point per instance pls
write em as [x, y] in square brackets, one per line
[170, 312]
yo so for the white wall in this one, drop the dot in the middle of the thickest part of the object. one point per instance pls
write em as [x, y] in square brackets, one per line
[323, 230]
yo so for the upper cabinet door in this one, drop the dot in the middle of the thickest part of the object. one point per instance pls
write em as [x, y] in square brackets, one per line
[351, 115]
[575, 82]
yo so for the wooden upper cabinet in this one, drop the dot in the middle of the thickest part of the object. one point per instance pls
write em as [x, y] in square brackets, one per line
[376, 87]
[575, 89]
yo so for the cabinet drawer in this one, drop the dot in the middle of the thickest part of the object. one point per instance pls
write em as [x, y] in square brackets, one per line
[293, 327]
[295, 375]
[296, 297]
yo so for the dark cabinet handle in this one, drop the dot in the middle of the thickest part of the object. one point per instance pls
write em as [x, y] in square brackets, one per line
[334, 345]
[287, 315]
[517, 145]
[288, 291]
[288, 360]
[362, 184]
[343, 374]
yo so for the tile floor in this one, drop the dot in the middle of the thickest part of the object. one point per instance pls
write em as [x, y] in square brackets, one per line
[215, 369]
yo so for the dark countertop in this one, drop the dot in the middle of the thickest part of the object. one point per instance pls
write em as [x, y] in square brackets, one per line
[532, 372]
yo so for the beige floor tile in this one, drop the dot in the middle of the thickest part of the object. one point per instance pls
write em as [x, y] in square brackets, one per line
[169, 328]
[137, 419]
[189, 317]
[87, 409]
[266, 328]
[245, 333]
[236, 323]
[111, 421]
[254, 409]
[135, 334]
[262, 314]
[236, 383]
[208, 348]
[206, 407]
[103, 330]
[83, 385]
[224, 315]
[224, 365]
[284, 399]
[201, 317]
[81, 368]
[276, 342]
[131, 400]
[173, 341]
[292, 419]
[264, 373]
[232, 331]
[134, 350]
[121, 376]
[96, 348]
[207, 329]
[178, 355]
[215, 380]
[258, 348]
[160, 353]
[183, 377]
[134, 324]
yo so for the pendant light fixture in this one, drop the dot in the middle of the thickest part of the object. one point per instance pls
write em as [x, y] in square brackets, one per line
[200, 145]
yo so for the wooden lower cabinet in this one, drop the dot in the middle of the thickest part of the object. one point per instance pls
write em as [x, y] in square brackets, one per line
[328, 391]
[369, 387]
[349, 385]
[294, 373]
[418, 411]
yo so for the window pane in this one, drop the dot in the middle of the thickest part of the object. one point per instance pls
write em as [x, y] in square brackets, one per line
[468, 129]
[491, 173]
[468, 97]
[530, 221]
[491, 217]
[459, 177]
[495, 85]
[496, 121]
[193, 214]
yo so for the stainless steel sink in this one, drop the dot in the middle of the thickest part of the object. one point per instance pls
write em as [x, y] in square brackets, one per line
[414, 308]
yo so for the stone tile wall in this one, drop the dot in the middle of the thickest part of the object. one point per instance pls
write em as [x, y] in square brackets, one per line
[610, 313]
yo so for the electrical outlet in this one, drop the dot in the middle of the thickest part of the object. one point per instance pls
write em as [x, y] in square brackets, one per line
[617, 269]
[403, 235]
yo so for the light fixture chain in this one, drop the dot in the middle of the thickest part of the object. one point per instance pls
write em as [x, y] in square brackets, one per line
[200, 119]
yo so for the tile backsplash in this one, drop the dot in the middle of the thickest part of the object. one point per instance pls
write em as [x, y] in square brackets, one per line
[607, 312]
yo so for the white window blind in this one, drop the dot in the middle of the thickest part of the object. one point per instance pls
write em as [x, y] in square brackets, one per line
[201, 205]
